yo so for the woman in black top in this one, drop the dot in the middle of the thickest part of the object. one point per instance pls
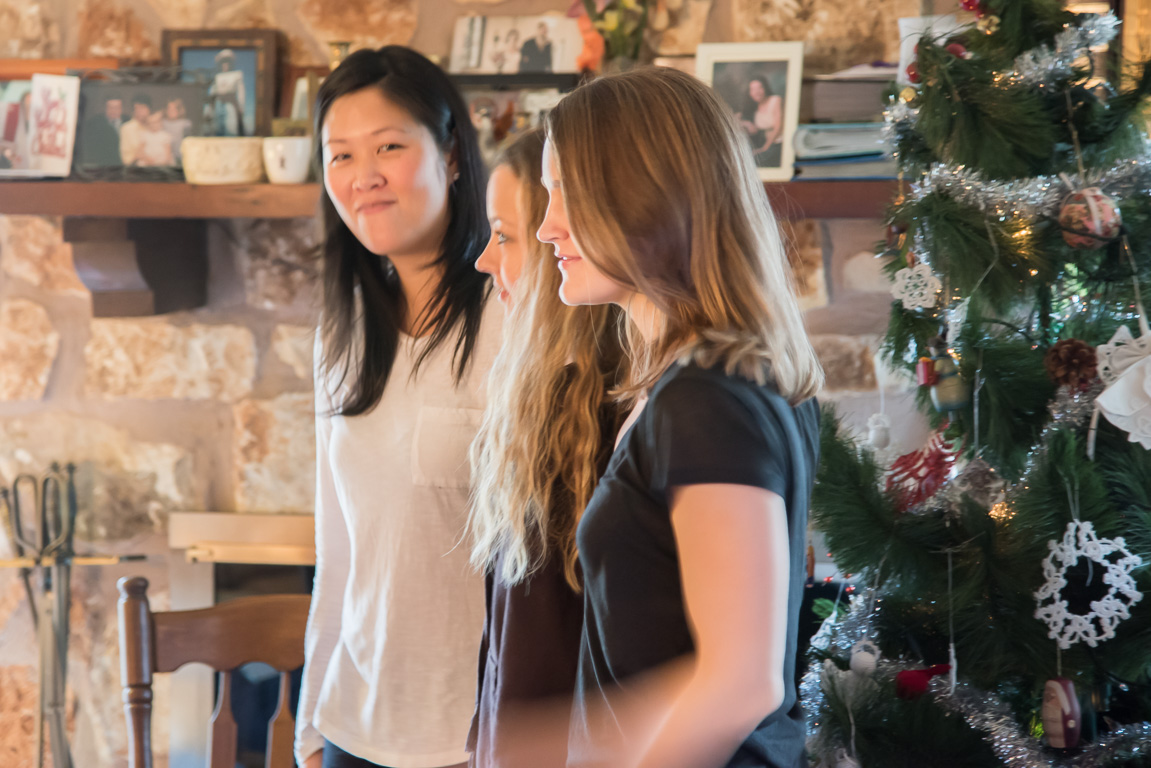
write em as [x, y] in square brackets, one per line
[692, 547]
[546, 435]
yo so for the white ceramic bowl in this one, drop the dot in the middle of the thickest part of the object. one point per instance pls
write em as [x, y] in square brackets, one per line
[223, 159]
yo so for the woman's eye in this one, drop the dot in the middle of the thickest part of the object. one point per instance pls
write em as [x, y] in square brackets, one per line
[338, 157]
[387, 147]
[501, 238]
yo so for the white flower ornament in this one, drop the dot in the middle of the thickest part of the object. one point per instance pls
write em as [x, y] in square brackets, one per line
[916, 286]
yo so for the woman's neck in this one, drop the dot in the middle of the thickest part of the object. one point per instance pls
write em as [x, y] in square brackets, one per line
[646, 316]
[419, 279]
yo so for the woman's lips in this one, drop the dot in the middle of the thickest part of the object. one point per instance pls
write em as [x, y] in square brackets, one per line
[374, 207]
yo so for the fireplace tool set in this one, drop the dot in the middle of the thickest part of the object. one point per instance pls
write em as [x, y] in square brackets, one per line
[40, 517]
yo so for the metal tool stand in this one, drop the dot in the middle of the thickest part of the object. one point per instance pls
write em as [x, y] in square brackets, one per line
[41, 520]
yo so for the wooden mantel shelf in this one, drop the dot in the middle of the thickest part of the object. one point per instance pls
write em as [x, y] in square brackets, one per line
[141, 247]
[157, 200]
[840, 199]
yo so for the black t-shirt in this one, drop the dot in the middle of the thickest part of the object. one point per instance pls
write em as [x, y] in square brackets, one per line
[698, 426]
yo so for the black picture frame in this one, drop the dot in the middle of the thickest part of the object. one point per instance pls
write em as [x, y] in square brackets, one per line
[175, 108]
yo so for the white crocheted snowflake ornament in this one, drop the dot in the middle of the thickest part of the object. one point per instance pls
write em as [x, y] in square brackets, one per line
[916, 286]
[1115, 563]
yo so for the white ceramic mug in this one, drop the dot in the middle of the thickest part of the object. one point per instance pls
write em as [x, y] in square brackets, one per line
[287, 159]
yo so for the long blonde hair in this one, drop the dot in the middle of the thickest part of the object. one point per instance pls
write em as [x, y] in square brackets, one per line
[663, 197]
[535, 459]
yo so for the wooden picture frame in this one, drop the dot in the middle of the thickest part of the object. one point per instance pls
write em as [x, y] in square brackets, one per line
[733, 70]
[297, 80]
[204, 55]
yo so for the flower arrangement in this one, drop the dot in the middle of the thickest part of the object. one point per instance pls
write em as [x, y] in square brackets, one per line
[621, 23]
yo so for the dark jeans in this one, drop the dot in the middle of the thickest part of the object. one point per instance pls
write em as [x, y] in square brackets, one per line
[334, 757]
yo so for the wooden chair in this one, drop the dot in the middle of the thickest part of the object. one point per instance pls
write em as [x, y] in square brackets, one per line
[269, 629]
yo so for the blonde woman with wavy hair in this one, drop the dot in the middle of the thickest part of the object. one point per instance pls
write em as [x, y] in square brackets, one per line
[546, 431]
[692, 544]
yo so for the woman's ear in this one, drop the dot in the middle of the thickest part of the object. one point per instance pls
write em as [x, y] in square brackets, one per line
[452, 161]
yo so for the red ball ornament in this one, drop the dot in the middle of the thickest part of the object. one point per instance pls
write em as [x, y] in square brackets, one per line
[912, 683]
[913, 72]
[1090, 219]
[956, 50]
[970, 5]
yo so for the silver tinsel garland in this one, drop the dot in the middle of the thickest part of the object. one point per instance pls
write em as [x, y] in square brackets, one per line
[984, 711]
[898, 116]
[1069, 411]
[1041, 67]
[1046, 65]
[853, 627]
[1032, 198]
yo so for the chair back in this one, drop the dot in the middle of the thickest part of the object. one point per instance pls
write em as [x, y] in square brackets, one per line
[268, 629]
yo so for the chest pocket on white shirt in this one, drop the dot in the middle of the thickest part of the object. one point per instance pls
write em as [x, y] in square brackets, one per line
[440, 446]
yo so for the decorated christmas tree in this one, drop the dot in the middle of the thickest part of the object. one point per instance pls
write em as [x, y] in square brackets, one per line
[1003, 616]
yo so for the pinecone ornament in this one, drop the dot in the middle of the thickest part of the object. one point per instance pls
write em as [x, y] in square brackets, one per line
[1071, 363]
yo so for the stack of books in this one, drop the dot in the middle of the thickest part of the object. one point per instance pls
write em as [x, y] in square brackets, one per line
[842, 151]
[842, 135]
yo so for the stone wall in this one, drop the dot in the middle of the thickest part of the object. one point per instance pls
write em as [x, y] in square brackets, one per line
[212, 409]
[203, 410]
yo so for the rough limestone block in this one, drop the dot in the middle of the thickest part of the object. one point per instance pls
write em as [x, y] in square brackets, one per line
[28, 346]
[152, 359]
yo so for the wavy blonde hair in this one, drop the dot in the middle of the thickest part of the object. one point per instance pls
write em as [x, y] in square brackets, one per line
[663, 196]
[535, 459]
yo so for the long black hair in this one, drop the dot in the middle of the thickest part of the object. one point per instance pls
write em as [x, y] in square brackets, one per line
[415, 84]
[750, 105]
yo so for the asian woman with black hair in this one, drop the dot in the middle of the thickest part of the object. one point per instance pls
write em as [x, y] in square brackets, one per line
[409, 331]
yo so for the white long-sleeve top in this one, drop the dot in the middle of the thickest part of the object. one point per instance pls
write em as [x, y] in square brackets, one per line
[397, 611]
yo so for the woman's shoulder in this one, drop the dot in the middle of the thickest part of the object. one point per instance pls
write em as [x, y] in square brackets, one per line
[689, 390]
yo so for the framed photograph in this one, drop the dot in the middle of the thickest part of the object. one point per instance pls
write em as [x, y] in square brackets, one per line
[138, 122]
[15, 120]
[507, 45]
[16, 107]
[39, 127]
[298, 94]
[760, 82]
[239, 67]
[499, 115]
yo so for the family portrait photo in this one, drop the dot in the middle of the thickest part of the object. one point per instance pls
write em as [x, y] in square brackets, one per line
[760, 82]
[508, 45]
[137, 125]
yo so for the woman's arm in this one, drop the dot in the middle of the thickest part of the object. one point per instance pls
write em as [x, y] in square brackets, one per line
[733, 550]
[333, 551]
[775, 116]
